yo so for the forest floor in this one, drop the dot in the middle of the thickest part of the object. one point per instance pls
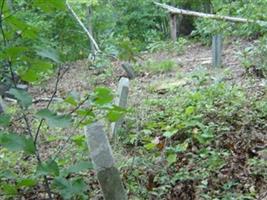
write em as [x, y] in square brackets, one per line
[229, 163]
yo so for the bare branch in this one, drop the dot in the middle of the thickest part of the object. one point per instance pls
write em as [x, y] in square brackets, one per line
[174, 10]
[83, 26]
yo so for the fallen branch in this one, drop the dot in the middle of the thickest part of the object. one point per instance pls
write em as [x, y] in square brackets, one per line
[174, 10]
[91, 38]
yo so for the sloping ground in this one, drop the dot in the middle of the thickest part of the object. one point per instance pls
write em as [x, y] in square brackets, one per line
[195, 132]
[230, 163]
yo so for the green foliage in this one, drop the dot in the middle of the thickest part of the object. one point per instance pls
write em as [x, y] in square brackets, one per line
[254, 58]
[70, 188]
[253, 10]
[15, 142]
[54, 120]
[25, 100]
[168, 46]
[183, 138]
[159, 66]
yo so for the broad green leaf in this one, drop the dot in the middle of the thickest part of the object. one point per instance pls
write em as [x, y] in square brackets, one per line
[9, 189]
[23, 97]
[50, 54]
[169, 134]
[15, 142]
[150, 146]
[27, 182]
[13, 52]
[171, 158]
[71, 101]
[80, 166]
[115, 113]
[54, 120]
[36, 70]
[69, 189]
[103, 96]
[4, 119]
[30, 76]
[48, 168]
[21, 27]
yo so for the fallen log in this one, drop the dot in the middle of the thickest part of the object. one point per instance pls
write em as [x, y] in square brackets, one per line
[174, 10]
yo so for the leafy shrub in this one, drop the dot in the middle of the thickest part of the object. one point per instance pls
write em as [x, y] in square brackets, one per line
[176, 47]
[159, 66]
[250, 9]
[254, 58]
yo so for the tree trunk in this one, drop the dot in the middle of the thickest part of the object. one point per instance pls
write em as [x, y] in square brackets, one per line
[90, 27]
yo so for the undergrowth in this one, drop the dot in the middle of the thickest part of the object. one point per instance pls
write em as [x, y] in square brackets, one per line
[202, 141]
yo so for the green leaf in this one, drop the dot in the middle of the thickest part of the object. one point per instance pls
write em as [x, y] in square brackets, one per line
[189, 110]
[80, 166]
[9, 189]
[50, 54]
[69, 189]
[15, 142]
[23, 97]
[21, 27]
[13, 52]
[71, 100]
[27, 182]
[48, 168]
[54, 120]
[171, 159]
[150, 146]
[204, 137]
[181, 147]
[115, 113]
[103, 96]
[169, 134]
[5, 119]
[79, 140]
[36, 71]
[30, 76]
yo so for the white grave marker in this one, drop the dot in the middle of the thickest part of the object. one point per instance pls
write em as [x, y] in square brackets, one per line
[121, 101]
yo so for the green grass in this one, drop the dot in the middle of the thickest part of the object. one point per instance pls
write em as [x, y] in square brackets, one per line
[156, 67]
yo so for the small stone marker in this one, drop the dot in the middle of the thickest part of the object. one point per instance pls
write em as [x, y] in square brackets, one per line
[121, 101]
[217, 50]
[2, 110]
[101, 155]
[173, 26]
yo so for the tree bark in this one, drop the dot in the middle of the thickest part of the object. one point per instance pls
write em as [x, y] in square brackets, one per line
[90, 27]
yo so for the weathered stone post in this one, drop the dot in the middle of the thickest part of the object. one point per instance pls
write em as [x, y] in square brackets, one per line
[217, 43]
[2, 107]
[121, 101]
[104, 164]
[173, 26]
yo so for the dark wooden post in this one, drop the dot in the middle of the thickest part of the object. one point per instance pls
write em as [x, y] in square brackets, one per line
[173, 26]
